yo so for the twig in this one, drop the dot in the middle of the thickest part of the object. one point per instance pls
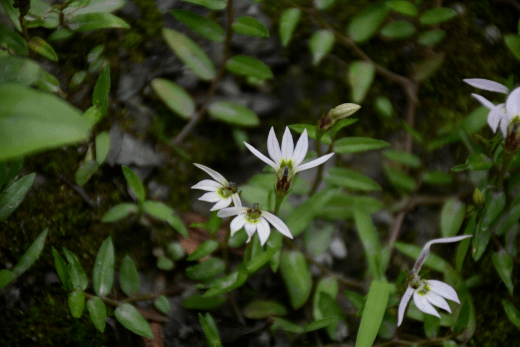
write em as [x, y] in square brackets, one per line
[78, 190]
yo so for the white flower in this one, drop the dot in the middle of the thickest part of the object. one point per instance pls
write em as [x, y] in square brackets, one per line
[220, 191]
[428, 292]
[287, 155]
[500, 114]
[254, 219]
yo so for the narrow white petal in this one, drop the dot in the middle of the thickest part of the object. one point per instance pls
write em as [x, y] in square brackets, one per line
[513, 103]
[483, 100]
[250, 230]
[443, 290]
[426, 249]
[263, 229]
[402, 305]
[287, 144]
[211, 197]
[484, 84]
[260, 155]
[498, 116]
[273, 147]
[424, 305]
[236, 200]
[218, 177]
[230, 211]
[301, 148]
[504, 124]
[222, 204]
[208, 185]
[237, 223]
[314, 162]
[437, 300]
[277, 223]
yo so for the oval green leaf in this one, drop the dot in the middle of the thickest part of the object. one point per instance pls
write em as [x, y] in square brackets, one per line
[119, 211]
[360, 76]
[320, 44]
[233, 113]
[350, 179]
[431, 37]
[226, 284]
[373, 313]
[41, 47]
[398, 29]
[128, 276]
[103, 273]
[76, 303]
[504, 266]
[437, 15]
[365, 24]
[98, 313]
[6, 277]
[263, 309]
[134, 183]
[30, 256]
[247, 25]
[358, 144]
[512, 313]
[85, 171]
[211, 4]
[96, 21]
[369, 238]
[62, 270]
[131, 319]
[288, 21]
[175, 97]
[162, 304]
[13, 196]
[201, 25]
[101, 90]
[403, 157]
[207, 247]
[403, 7]
[452, 217]
[249, 66]
[206, 270]
[77, 274]
[210, 330]
[297, 277]
[513, 43]
[102, 146]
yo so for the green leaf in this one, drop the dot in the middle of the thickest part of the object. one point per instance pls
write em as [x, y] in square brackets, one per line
[463, 318]
[476, 161]
[495, 203]
[249, 66]
[260, 260]
[403, 7]
[350, 179]
[85, 171]
[6, 277]
[384, 106]
[41, 47]
[297, 277]
[512, 313]
[233, 113]
[431, 37]
[100, 6]
[504, 266]
[131, 319]
[320, 44]
[436, 178]
[134, 183]
[60, 34]
[199, 302]
[206, 270]
[76, 303]
[452, 217]
[165, 213]
[103, 273]
[365, 24]
[247, 25]
[403, 157]
[280, 323]
[30, 256]
[323, 4]
[398, 29]
[311, 132]
[227, 283]
[201, 25]
[424, 69]
[102, 90]
[433, 261]
[360, 76]
[437, 15]
[317, 240]
[340, 125]
[210, 330]
[175, 251]
[399, 179]
[95, 21]
[14, 194]
[162, 304]
[507, 220]
[288, 21]
[48, 83]
[464, 244]
[128, 276]
[190, 53]
[78, 277]
[98, 313]
[175, 97]
[62, 270]
[19, 70]
[333, 313]
[211, 4]
[513, 43]
[373, 313]
[358, 144]
[102, 146]
[33, 121]
[368, 234]
[264, 309]
[431, 326]
[119, 211]
[327, 285]
[206, 248]
[322, 323]
[165, 263]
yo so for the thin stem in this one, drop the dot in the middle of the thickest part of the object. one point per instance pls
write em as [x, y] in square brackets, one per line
[503, 170]
[225, 251]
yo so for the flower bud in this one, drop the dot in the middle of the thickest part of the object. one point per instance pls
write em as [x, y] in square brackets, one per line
[478, 198]
[343, 111]
[513, 135]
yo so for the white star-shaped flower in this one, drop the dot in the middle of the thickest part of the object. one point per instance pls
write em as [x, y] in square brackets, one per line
[253, 219]
[500, 114]
[287, 155]
[220, 191]
[427, 293]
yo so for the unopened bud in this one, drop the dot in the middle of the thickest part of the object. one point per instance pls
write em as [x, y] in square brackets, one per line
[343, 111]
[478, 198]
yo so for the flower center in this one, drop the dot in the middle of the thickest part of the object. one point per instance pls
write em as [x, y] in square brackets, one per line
[285, 164]
[226, 192]
[253, 214]
[420, 286]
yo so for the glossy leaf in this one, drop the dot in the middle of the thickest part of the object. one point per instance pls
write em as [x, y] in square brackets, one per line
[424, 69]
[211, 4]
[297, 277]
[30, 256]
[40, 46]
[100, 6]
[206, 248]
[350, 179]
[13, 195]
[134, 183]
[119, 212]
[365, 24]
[103, 272]
[162, 304]
[495, 203]
[403, 7]
[513, 43]
[210, 330]
[408, 159]
[512, 313]
[201, 25]
[373, 313]
[199, 302]
[78, 277]
[249, 66]
[76, 303]
[288, 21]
[233, 113]
[131, 319]
[95, 21]
[398, 29]
[97, 312]
[247, 25]
[102, 90]
[320, 44]
[62, 270]
[174, 96]
[368, 234]
[360, 76]
[437, 15]
[431, 37]
[128, 276]
[206, 270]
[264, 309]
[504, 266]
[452, 217]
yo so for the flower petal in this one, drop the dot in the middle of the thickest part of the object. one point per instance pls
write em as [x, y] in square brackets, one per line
[277, 223]
[208, 185]
[301, 148]
[250, 230]
[313, 163]
[222, 204]
[237, 223]
[263, 229]
[273, 147]
[426, 249]
[497, 116]
[231, 211]
[287, 144]
[236, 200]
[424, 305]
[484, 84]
[218, 177]
[402, 305]
[211, 197]
[513, 103]
[485, 102]
[261, 156]
[443, 290]
[437, 300]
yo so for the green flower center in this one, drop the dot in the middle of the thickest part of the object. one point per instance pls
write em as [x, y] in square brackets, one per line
[283, 164]
[420, 286]
[253, 214]
[226, 192]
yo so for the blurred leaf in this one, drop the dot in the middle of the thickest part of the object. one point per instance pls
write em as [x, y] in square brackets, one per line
[30, 256]
[436, 178]
[60, 34]
[452, 217]
[78, 277]
[76, 303]
[464, 244]
[206, 270]
[495, 203]
[19, 70]
[431, 326]
[131, 319]
[259, 260]
[211, 4]
[322, 323]
[504, 266]
[101, 6]
[233, 113]
[305, 213]
[373, 313]
[431, 37]
[398, 29]
[317, 240]
[199, 302]
[102, 90]
[166, 213]
[332, 312]
[165, 263]
[320, 44]
[423, 70]
[311, 132]
[134, 183]
[6, 277]
[249, 66]
[175, 251]
[41, 47]
[275, 242]
[13, 195]
[288, 21]
[369, 238]
[162, 304]
[475, 161]
[210, 330]
[463, 318]
[360, 77]
[102, 146]
[384, 106]
[226, 284]
[201, 25]
[43, 121]
[341, 206]
[408, 159]
[356, 299]
[11, 12]
[85, 171]
[403, 7]
[206, 248]
[190, 53]
[280, 323]
[119, 211]
[48, 83]
[437, 15]
[103, 272]
[350, 179]
[507, 220]
[98, 312]
[358, 144]
[365, 24]
[62, 270]
[297, 277]
[128, 276]
[247, 25]
[175, 97]
[96, 21]
[513, 43]
[327, 285]
[433, 261]
[399, 179]
[340, 125]
[263, 309]
[323, 4]
[512, 313]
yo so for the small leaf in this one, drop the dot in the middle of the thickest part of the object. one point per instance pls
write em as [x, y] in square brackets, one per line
[249, 66]
[85, 171]
[247, 25]
[373, 313]
[102, 90]
[78, 277]
[350, 179]
[464, 244]
[436, 178]
[264, 309]
[210, 330]
[128, 276]
[475, 162]
[431, 37]
[211, 4]
[427, 67]
[233, 113]
[297, 277]
[323, 4]
[134, 183]
[327, 285]
[288, 21]
[6, 277]
[226, 284]
[201, 25]
[504, 266]
[162, 304]
[280, 323]
[507, 220]
[311, 132]
[175, 251]
[403, 7]
[358, 144]
[76, 303]
[62, 270]
[96, 21]
[12, 40]
[206, 270]
[452, 217]
[437, 15]
[368, 234]
[365, 24]
[206, 248]
[41, 47]
[320, 44]
[513, 43]
[495, 203]
[131, 319]
[30, 256]
[102, 147]
[60, 34]
[175, 97]
[384, 106]
[512, 313]
[399, 179]
[165, 263]
[360, 76]
[199, 302]
[403, 157]
[165, 213]
[398, 29]
[463, 318]
[258, 261]
[98, 313]
[119, 211]
[103, 273]
[13, 195]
